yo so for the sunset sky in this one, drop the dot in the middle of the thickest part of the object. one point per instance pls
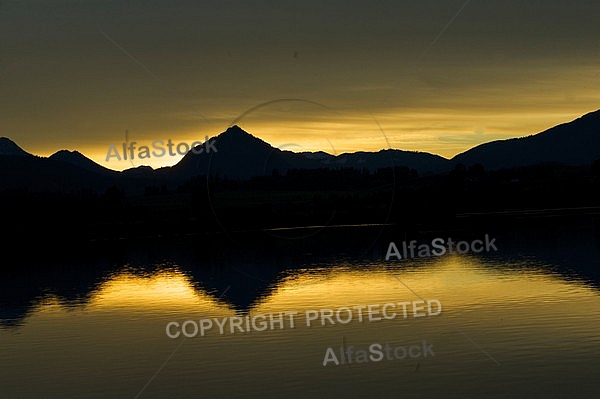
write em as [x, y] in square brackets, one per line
[499, 69]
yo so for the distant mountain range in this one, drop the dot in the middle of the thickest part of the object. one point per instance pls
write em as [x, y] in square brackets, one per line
[241, 155]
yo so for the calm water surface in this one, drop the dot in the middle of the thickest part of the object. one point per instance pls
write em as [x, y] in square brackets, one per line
[523, 322]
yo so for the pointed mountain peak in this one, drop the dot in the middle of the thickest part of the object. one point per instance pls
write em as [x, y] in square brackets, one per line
[9, 147]
[235, 135]
[236, 131]
[233, 152]
[235, 128]
[78, 159]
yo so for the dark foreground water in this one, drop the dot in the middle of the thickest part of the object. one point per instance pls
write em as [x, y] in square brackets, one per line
[520, 322]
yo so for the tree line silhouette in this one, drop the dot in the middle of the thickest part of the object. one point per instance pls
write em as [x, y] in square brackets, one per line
[296, 198]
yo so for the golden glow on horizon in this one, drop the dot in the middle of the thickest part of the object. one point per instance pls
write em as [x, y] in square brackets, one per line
[414, 118]
[496, 72]
[438, 132]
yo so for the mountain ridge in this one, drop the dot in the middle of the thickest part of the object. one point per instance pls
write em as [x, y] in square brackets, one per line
[78, 159]
[9, 147]
[239, 155]
[572, 143]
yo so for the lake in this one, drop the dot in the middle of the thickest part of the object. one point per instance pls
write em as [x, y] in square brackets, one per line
[519, 322]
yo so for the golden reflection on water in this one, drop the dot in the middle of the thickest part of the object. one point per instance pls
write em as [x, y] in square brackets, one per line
[163, 290]
[521, 314]
[461, 283]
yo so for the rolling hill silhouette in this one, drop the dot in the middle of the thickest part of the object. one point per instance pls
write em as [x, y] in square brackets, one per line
[573, 143]
[78, 159]
[37, 174]
[63, 171]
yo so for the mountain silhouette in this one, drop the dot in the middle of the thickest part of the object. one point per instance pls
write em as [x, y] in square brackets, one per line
[423, 162]
[573, 143]
[78, 159]
[8, 147]
[143, 171]
[39, 174]
[240, 155]
[62, 172]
